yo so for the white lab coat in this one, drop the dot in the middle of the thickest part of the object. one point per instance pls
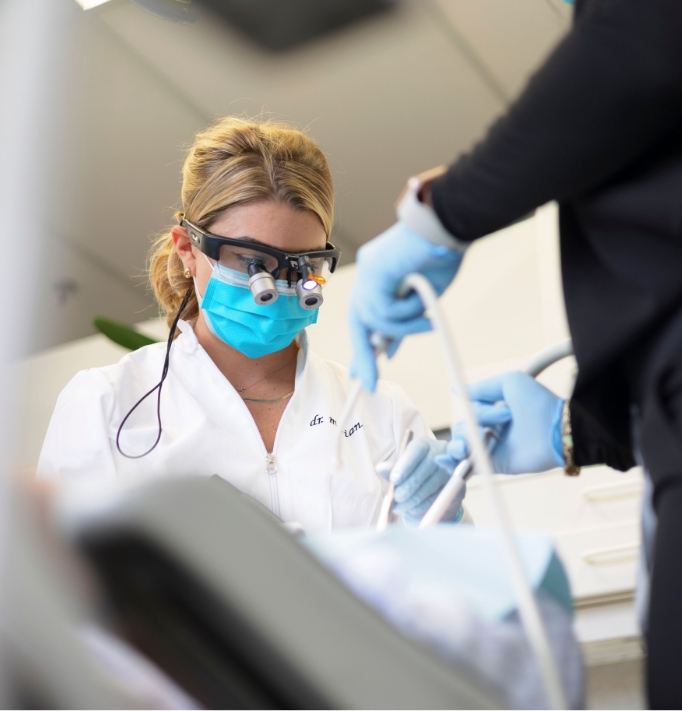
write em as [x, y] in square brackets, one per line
[207, 430]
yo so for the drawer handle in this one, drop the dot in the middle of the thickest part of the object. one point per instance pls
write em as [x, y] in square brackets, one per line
[605, 492]
[611, 556]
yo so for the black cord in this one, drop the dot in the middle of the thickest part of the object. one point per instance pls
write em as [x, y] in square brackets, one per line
[158, 386]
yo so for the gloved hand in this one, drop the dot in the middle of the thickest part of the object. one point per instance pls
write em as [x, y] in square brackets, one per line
[377, 306]
[525, 415]
[418, 480]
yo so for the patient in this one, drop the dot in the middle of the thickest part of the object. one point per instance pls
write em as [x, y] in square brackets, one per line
[236, 391]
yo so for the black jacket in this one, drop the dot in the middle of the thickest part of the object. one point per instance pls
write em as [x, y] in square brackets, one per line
[599, 129]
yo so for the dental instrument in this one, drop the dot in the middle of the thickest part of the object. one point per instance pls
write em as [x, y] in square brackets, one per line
[386, 502]
[383, 469]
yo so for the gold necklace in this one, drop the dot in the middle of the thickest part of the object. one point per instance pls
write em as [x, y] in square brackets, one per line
[274, 399]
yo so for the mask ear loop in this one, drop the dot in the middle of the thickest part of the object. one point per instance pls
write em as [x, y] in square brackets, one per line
[157, 387]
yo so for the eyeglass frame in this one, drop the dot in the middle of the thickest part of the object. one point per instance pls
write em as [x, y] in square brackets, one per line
[210, 245]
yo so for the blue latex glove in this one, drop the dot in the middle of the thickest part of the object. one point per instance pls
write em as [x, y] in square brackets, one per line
[525, 415]
[418, 479]
[457, 448]
[376, 306]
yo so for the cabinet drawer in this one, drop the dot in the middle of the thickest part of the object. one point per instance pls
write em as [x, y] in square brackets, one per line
[553, 502]
[601, 561]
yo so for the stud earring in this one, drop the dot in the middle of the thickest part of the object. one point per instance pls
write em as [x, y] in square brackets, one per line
[187, 274]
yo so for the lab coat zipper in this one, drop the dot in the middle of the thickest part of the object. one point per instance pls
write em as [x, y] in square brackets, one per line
[270, 459]
[271, 464]
[271, 469]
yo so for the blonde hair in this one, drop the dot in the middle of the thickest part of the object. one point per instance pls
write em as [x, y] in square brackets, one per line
[236, 161]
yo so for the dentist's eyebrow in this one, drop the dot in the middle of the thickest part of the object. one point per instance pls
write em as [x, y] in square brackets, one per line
[246, 238]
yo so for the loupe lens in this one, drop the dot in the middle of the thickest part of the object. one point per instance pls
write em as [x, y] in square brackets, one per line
[263, 288]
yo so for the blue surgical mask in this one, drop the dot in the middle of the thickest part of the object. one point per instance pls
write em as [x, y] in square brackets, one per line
[253, 329]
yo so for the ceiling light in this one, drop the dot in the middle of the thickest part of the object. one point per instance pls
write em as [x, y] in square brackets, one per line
[89, 4]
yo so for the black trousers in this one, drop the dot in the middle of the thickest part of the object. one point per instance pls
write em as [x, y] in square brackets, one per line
[657, 376]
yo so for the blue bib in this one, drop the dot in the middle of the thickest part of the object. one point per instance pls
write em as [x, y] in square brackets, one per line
[465, 561]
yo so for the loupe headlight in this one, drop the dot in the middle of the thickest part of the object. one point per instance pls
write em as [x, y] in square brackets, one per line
[308, 289]
[262, 284]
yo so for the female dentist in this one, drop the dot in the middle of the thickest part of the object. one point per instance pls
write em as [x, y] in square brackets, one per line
[236, 391]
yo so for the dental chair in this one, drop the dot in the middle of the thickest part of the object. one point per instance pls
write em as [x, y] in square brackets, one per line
[211, 588]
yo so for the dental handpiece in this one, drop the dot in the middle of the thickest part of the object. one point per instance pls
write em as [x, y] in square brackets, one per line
[450, 491]
[380, 344]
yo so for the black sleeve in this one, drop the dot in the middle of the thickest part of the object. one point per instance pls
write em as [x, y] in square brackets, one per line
[593, 444]
[609, 91]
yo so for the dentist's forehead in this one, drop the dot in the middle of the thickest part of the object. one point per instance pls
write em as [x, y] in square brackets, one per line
[274, 224]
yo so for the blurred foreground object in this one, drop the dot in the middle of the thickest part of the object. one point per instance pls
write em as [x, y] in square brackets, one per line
[52, 656]
[42, 662]
[241, 615]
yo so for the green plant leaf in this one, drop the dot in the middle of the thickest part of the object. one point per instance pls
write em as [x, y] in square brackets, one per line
[122, 334]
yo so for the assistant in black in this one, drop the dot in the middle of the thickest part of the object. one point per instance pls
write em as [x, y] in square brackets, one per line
[599, 129]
